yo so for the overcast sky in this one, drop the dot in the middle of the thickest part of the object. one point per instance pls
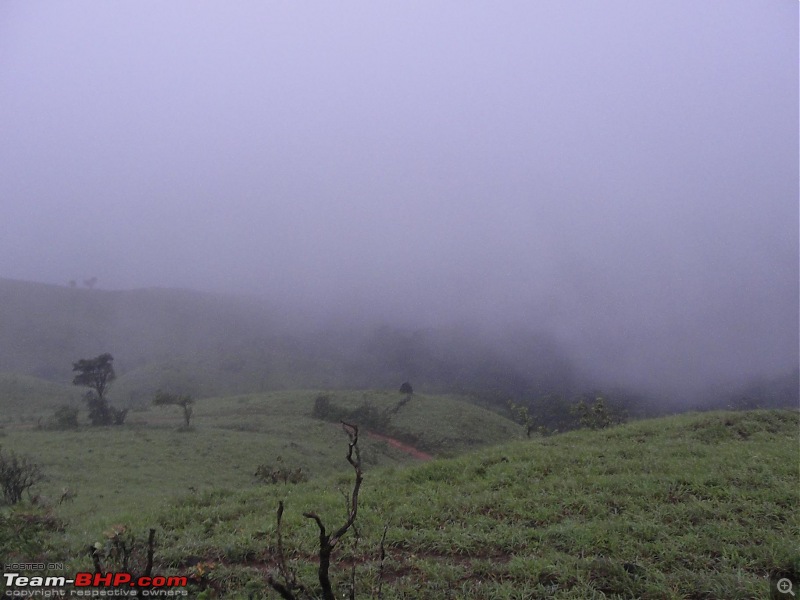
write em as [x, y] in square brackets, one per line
[622, 173]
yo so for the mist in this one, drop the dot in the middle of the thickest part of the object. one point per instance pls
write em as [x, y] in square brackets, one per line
[619, 177]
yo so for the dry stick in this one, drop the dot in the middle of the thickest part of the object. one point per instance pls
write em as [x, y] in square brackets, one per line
[148, 568]
[151, 541]
[357, 535]
[383, 558]
[289, 578]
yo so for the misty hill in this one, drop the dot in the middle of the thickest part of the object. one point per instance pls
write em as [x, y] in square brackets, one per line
[217, 345]
[23, 397]
[214, 345]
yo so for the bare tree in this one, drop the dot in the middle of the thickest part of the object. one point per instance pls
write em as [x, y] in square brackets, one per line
[327, 541]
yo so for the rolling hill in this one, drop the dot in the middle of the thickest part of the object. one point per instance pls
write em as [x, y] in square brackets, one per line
[216, 345]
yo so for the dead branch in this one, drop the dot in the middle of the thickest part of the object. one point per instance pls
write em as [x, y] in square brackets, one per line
[289, 576]
[327, 542]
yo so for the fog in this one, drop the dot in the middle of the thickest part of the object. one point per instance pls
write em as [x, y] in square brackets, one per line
[620, 175]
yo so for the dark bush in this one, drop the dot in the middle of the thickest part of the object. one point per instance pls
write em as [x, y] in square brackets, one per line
[596, 413]
[366, 414]
[279, 474]
[17, 474]
[66, 417]
[325, 410]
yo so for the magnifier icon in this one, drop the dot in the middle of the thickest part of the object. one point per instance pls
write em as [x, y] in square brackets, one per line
[785, 586]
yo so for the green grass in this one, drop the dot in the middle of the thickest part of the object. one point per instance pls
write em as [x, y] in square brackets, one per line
[692, 506]
[25, 399]
[120, 472]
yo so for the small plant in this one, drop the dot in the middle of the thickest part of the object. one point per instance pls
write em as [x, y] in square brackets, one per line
[522, 415]
[369, 415]
[122, 552]
[365, 414]
[25, 534]
[65, 417]
[279, 474]
[324, 410]
[596, 414]
[185, 401]
[17, 474]
[201, 575]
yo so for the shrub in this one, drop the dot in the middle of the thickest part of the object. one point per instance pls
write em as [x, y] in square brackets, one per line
[280, 474]
[66, 417]
[17, 474]
[597, 414]
[325, 410]
[366, 414]
[23, 534]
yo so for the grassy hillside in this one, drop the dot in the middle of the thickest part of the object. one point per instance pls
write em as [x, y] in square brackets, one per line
[692, 506]
[24, 398]
[217, 345]
[117, 471]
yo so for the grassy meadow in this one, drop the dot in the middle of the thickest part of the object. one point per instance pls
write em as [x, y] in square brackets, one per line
[692, 506]
[117, 472]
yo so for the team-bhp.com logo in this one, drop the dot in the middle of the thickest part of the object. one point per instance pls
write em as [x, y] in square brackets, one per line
[93, 585]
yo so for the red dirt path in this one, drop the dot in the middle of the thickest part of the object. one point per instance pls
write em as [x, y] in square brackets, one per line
[418, 454]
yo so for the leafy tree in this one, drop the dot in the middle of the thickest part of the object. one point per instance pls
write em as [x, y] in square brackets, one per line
[522, 415]
[596, 413]
[185, 401]
[97, 374]
[406, 388]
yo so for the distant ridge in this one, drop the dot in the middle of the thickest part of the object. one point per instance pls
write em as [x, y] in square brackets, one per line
[212, 344]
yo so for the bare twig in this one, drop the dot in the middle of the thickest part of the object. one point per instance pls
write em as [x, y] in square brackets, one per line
[289, 577]
[383, 558]
[148, 568]
[356, 539]
[95, 552]
[151, 543]
[328, 542]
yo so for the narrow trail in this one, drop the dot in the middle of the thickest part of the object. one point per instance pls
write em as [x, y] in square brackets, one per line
[418, 454]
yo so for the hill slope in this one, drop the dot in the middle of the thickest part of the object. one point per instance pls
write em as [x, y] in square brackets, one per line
[151, 459]
[216, 345]
[692, 506]
[696, 506]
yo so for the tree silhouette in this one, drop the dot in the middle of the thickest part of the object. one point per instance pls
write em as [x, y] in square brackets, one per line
[97, 374]
[185, 401]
